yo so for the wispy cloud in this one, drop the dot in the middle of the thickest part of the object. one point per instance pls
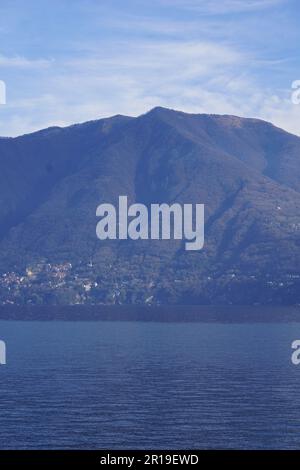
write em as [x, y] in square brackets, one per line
[185, 59]
[127, 78]
[194, 55]
[23, 62]
[213, 7]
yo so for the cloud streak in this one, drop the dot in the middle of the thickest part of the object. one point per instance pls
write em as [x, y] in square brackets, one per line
[127, 62]
[212, 7]
[23, 62]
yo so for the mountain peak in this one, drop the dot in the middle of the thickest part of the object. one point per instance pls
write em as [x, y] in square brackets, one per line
[244, 171]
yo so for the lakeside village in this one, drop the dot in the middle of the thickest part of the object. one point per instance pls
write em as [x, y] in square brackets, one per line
[64, 283]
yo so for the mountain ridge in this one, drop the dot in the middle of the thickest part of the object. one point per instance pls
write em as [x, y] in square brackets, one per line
[246, 172]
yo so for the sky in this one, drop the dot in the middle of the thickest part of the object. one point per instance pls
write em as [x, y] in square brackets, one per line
[66, 61]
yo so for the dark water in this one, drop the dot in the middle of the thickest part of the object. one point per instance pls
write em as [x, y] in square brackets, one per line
[148, 385]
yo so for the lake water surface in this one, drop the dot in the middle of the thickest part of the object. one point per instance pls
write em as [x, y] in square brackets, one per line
[149, 385]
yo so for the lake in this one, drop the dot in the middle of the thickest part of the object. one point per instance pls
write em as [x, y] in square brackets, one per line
[149, 385]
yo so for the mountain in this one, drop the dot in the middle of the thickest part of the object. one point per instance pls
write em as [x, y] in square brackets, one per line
[245, 171]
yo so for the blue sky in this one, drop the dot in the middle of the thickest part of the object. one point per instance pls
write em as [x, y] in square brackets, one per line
[69, 61]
